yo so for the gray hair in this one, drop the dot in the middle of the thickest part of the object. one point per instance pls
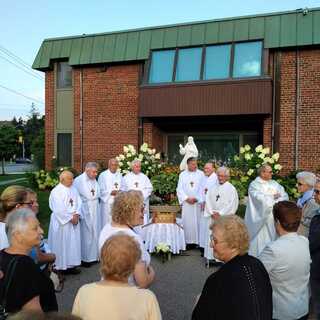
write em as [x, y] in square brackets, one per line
[18, 221]
[263, 167]
[212, 162]
[91, 165]
[224, 170]
[134, 162]
[307, 177]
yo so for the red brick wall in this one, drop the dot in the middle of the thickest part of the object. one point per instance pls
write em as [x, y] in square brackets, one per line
[49, 118]
[267, 132]
[110, 112]
[309, 111]
[153, 136]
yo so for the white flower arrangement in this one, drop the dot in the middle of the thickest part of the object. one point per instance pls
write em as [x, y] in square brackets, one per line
[162, 247]
[150, 160]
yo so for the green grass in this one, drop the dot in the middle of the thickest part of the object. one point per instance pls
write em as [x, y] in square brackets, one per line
[44, 211]
[11, 177]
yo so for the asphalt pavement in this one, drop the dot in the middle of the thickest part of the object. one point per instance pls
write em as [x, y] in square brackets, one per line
[177, 284]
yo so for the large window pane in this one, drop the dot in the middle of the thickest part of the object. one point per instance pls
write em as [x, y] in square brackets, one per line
[217, 63]
[64, 75]
[247, 59]
[189, 64]
[64, 149]
[161, 66]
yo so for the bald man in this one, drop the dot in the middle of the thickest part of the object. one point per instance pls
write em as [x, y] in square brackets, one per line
[64, 228]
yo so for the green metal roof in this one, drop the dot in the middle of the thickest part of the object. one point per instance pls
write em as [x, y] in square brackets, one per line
[284, 29]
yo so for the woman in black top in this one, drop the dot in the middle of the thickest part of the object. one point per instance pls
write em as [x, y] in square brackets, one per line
[29, 289]
[241, 288]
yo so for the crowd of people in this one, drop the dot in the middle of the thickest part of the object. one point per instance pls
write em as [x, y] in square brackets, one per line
[268, 262]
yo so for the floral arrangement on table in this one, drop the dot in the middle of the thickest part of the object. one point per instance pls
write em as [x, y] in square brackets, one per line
[165, 184]
[244, 169]
[164, 250]
[150, 159]
[47, 180]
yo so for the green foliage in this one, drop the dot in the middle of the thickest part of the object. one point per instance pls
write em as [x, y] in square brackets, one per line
[38, 150]
[150, 160]
[289, 183]
[46, 180]
[8, 143]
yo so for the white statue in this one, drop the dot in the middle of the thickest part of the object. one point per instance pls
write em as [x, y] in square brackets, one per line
[189, 150]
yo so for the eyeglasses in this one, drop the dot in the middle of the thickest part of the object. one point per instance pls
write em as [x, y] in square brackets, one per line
[316, 191]
[215, 240]
[300, 184]
[30, 203]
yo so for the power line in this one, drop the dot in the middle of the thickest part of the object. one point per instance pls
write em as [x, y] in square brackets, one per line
[21, 94]
[18, 60]
[26, 71]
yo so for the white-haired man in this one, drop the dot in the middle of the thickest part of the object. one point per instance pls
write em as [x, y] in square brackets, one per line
[263, 193]
[110, 182]
[222, 199]
[136, 180]
[64, 228]
[210, 179]
[189, 192]
[90, 222]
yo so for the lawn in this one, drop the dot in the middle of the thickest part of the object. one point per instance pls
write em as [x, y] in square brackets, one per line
[44, 211]
[11, 177]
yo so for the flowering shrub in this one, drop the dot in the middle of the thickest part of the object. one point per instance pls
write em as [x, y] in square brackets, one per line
[46, 180]
[150, 160]
[244, 166]
[162, 248]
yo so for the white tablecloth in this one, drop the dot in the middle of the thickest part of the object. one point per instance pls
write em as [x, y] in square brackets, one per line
[168, 233]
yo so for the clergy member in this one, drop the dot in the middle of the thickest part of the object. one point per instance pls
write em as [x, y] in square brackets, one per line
[209, 181]
[221, 200]
[263, 194]
[189, 192]
[64, 228]
[90, 221]
[110, 182]
[136, 180]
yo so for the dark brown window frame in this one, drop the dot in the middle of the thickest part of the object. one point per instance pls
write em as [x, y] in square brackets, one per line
[264, 56]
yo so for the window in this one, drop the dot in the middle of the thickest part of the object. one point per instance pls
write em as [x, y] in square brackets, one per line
[185, 64]
[247, 59]
[161, 66]
[189, 64]
[64, 75]
[217, 62]
[64, 150]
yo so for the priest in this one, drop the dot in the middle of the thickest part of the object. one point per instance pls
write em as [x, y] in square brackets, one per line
[221, 200]
[209, 181]
[64, 228]
[110, 183]
[189, 192]
[90, 220]
[263, 193]
[136, 180]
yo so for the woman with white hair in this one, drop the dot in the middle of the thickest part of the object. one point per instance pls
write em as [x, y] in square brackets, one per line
[22, 285]
[305, 183]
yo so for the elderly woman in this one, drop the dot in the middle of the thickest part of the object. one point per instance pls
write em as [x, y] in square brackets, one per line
[127, 213]
[287, 261]
[305, 182]
[241, 288]
[314, 246]
[113, 297]
[23, 285]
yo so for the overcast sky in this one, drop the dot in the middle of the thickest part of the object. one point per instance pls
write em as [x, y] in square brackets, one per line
[25, 23]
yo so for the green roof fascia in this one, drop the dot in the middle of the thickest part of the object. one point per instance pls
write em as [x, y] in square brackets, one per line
[278, 30]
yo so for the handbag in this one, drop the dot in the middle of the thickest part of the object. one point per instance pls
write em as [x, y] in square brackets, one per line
[7, 282]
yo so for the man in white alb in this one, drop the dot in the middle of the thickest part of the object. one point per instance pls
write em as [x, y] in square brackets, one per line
[189, 192]
[263, 193]
[221, 200]
[110, 182]
[64, 228]
[209, 181]
[90, 220]
[136, 180]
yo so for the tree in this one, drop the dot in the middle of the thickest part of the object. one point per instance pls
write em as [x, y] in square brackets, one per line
[8, 143]
[37, 148]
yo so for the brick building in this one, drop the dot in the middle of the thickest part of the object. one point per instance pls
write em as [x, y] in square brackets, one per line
[229, 82]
